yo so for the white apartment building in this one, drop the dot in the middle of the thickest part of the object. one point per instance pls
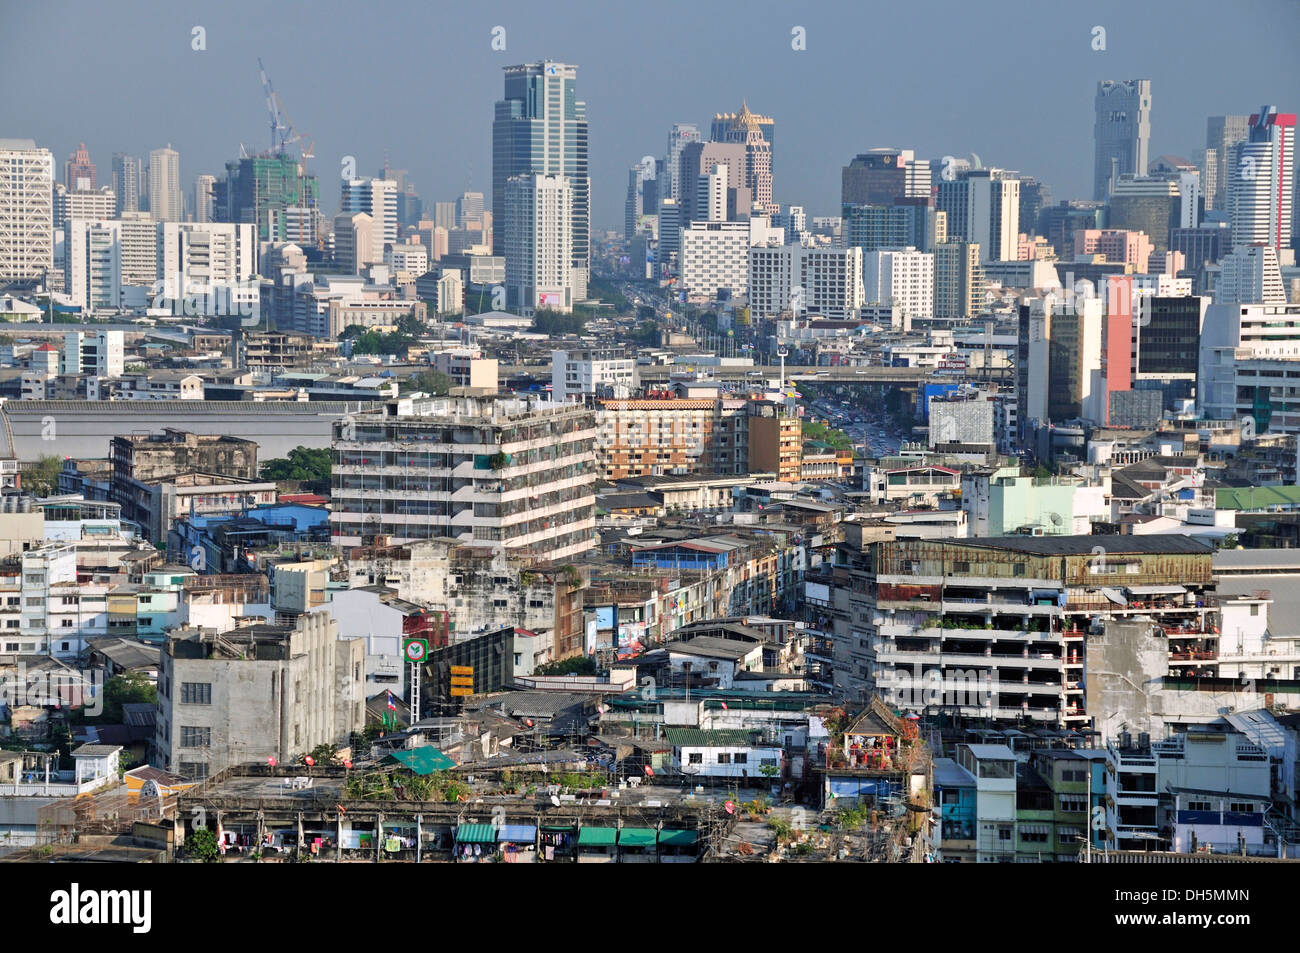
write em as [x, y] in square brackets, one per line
[592, 373]
[92, 263]
[822, 281]
[1261, 182]
[1250, 275]
[510, 471]
[214, 259]
[714, 256]
[378, 199]
[900, 276]
[26, 210]
[983, 205]
[139, 238]
[412, 259]
[538, 230]
[166, 199]
[95, 204]
[98, 353]
[1250, 359]
[44, 610]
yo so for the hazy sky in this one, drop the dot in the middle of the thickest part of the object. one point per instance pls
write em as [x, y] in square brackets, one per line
[1010, 81]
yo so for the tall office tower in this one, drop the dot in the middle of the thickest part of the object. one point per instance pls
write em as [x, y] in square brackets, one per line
[1034, 197]
[670, 236]
[353, 241]
[261, 190]
[469, 209]
[537, 226]
[92, 263]
[914, 222]
[1122, 132]
[680, 136]
[79, 171]
[901, 277]
[127, 172]
[1222, 133]
[1250, 275]
[1150, 204]
[983, 206]
[711, 195]
[444, 215]
[203, 185]
[881, 176]
[540, 128]
[166, 202]
[734, 127]
[26, 210]
[1262, 182]
[698, 160]
[959, 289]
[639, 186]
[378, 199]
[753, 132]
[93, 204]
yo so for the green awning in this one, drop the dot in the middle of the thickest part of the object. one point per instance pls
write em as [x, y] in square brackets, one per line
[637, 837]
[476, 834]
[558, 828]
[678, 838]
[597, 837]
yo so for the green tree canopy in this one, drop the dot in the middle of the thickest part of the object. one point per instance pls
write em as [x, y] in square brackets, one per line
[126, 689]
[547, 321]
[302, 464]
[431, 382]
[43, 478]
[837, 439]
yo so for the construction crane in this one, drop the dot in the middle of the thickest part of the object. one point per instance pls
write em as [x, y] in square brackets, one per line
[283, 133]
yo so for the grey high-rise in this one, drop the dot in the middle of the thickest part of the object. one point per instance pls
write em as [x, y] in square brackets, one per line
[540, 127]
[1221, 134]
[1122, 132]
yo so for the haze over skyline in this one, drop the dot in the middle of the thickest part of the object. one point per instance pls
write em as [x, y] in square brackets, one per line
[420, 83]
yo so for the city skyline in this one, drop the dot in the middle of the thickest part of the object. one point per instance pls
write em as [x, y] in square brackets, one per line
[213, 101]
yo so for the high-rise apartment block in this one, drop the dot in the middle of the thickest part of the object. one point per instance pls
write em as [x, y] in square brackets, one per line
[26, 210]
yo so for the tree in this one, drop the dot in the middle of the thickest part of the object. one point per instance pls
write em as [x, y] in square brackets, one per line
[837, 439]
[578, 665]
[546, 321]
[43, 478]
[303, 465]
[432, 382]
[128, 689]
[201, 845]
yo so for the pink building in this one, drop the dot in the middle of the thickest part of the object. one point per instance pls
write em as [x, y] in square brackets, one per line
[1115, 245]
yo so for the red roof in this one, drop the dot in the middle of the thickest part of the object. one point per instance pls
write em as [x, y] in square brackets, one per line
[47, 346]
[307, 499]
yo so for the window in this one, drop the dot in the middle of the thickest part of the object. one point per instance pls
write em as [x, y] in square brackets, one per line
[1241, 807]
[724, 758]
[196, 693]
[195, 737]
[1033, 838]
[1199, 806]
[741, 758]
[1254, 609]
[194, 770]
[1004, 834]
[695, 757]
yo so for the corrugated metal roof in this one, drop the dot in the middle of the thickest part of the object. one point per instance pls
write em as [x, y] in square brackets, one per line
[597, 837]
[637, 837]
[517, 833]
[476, 834]
[423, 760]
[704, 738]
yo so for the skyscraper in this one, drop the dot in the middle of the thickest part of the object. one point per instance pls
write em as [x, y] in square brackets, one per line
[378, 199]
[127, 173]
[263, 190]
[166, 201]
[540, 128]
[1222, 133]
[754, 133]
[680, 136]
[983, 206]
[1122, 132]
[1262, 181]
[469, 209]
[26, 210]
[880, 176]
[537, 228]
[203, 197]
[79, 171]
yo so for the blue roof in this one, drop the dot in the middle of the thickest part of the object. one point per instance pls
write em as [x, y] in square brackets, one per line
[517, 833]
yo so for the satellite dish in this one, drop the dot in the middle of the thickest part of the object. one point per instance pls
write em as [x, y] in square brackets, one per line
[1056, 519]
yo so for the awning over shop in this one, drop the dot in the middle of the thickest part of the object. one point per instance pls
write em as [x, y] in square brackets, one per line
[517, 833]
[637, 837]
[597, 837]
[476, 834]
[678, 838]
[1157, 590]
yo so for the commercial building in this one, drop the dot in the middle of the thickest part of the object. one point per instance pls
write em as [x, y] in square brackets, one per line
[508, 471]
[714, 255]
[538, 231]
[592, 372]
[378, 199]
[983, 206]
[902, 277]
[26, 210]
[166, 199]
[1222, 133]
[1121, 132]
[1148, 204]
[805, 280]
[1261, 186]
[257, 692]
[539, 128]
[95, 204]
